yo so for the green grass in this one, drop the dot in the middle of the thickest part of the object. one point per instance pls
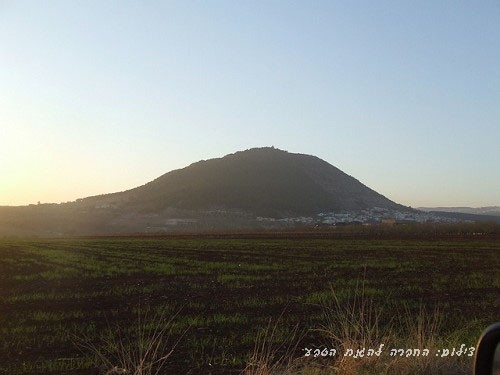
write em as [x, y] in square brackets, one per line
[227, 290]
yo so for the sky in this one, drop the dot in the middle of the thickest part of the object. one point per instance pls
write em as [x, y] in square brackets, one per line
[103, 96]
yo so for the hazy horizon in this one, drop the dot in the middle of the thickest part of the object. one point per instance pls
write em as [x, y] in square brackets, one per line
[97, 98]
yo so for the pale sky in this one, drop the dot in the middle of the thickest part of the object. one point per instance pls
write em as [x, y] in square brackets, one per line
[103, 96]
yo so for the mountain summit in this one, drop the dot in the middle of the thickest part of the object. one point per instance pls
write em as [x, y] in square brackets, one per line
[261, 181]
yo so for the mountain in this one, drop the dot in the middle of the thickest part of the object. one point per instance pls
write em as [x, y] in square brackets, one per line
[260, 181]
[234, 191]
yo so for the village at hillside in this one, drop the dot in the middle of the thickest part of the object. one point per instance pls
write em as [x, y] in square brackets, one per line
[376, 215]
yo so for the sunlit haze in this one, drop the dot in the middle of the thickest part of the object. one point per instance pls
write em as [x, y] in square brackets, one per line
[98, 97]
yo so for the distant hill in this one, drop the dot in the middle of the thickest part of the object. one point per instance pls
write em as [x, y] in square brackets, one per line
[489, 211]
[234, 190]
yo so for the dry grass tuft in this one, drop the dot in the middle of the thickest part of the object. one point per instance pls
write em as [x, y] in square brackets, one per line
[354, 325]
[143, 350]
[271, 358]
[357, 324]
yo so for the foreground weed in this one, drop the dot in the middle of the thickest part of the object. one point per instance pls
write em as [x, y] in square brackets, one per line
[423, 330]
[273, 352]
[144, 350]
[354, 324]
[357, 325]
